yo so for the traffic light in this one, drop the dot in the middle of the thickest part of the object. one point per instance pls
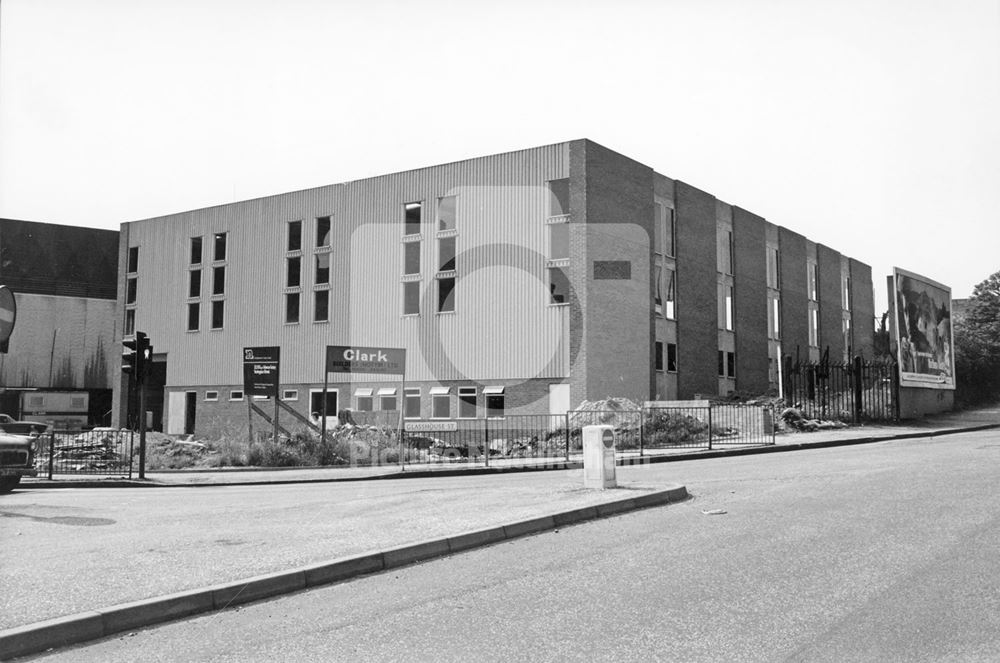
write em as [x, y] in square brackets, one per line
[134, 356]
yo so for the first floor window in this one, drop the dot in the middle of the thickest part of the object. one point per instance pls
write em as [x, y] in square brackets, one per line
[129, 321]
[446, 294]
[321, 311]
[130, 290]
[194, 316]
[727, 364]
[194, 283]
[467, 402]
[658, 361]
[814, 327]
[290, 395]
[292, 307]
[672, 357]
[558, 286]
[411, 404]
[218, 314]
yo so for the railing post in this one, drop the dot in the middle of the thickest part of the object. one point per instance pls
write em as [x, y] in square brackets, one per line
[566, 435]
[642, 430]
[131, 451]
[486, 440]
[709, 426]
[52, 451]
[857, 377]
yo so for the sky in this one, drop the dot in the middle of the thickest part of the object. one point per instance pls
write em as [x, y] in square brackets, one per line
[871, 126]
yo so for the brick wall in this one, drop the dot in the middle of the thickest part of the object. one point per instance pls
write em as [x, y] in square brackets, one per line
[863, 313]
[750, 294]
[794, 294]
[831, 309]
[697, 314]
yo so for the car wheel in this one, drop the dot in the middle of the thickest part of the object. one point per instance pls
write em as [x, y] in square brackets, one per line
[8, 484]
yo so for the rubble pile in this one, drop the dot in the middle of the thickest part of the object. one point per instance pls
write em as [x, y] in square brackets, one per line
[793, 419]
[92, 451]
[620, 413]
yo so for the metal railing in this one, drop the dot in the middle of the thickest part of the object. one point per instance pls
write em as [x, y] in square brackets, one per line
[855, 391]
[100, 452]
[721, 424]
[491, 440]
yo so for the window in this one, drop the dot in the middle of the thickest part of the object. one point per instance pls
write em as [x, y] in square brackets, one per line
[446, 254]
[294, 235]
[412, 217]
[559, 197]
[411, 298]
[218, 314]
[387, 399]
[291, 307]
[440, 402]
[725, 307]
[773, 268]
[194, 283]
[672, 357]
[658, 361]
[467, 402]
[411, 258]
[129, 322]
[446, 294]
[494, 401]
[322, 231]
[194, 316]
[363, 400]
[725, 251]
[196, 250]
[411, 403]
[558, 241]
[776, 314]
[446, 213]
[211, 395]
[321, 307]
[812, 275]
[814, 327]
[294, 272]
[316, 404]
[558, 286]
[236, 395]
[669, 233]
[658, 287]
[322, 268]
[670, 310]
[219, 280]
[727, 364]
[290, 395]
[220, 246]
[130, 290]
[133, 259]
[847, 293]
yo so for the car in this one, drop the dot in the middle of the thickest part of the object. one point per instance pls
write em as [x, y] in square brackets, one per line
[31, 428]
[17, 459]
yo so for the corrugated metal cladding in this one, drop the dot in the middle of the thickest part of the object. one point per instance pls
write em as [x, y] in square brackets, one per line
[503, 326]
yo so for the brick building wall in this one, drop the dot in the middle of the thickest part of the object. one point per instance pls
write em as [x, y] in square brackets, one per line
[750, 294]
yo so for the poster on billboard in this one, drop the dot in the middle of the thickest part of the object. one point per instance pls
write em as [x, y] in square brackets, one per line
[922, 315]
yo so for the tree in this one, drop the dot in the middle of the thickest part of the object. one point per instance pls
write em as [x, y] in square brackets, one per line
[977, 346]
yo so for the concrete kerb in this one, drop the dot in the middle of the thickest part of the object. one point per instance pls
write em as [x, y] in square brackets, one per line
[94, 624]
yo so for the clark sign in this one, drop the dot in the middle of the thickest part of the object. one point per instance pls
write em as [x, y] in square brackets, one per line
[356, 359]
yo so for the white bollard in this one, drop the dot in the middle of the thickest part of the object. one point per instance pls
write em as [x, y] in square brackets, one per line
[599, 457]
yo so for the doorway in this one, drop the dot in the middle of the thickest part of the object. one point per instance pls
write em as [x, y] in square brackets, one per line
[190, 404]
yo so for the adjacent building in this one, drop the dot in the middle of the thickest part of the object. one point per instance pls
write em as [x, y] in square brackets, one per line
[63, 359]
[524, 282]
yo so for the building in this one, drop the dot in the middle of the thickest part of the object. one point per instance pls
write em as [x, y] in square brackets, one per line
[524, 282]
[63, 360]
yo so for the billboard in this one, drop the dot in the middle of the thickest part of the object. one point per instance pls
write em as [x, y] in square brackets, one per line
[356, 359]
[260, 371]
[922, 324]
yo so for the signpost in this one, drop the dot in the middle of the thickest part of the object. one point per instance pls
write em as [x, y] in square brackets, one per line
[358, 359]
[8, 316]
[261, 377]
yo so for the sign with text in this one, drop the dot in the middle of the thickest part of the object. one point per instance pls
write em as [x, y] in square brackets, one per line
[430, 426]
[260, 371]
[355, 359]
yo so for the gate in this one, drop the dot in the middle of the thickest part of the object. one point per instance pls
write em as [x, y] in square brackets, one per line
[95, 452]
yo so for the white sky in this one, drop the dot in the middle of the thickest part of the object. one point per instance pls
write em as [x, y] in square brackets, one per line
[870, 126]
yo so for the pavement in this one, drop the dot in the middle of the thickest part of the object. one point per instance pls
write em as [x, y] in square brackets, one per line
[388, 524]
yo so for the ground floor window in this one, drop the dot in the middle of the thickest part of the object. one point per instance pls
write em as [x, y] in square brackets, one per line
[495, 404]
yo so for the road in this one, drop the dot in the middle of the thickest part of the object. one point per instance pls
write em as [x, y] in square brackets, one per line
[881, 552]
